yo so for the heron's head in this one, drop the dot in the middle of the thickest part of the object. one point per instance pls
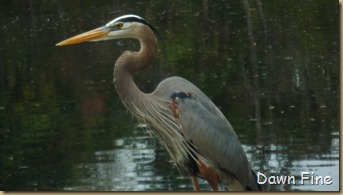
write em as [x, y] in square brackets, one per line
[127, 26]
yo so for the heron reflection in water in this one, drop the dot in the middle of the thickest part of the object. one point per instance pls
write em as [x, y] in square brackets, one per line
[192, 129]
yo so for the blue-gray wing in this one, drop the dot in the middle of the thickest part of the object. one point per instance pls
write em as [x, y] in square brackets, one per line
[207, 129]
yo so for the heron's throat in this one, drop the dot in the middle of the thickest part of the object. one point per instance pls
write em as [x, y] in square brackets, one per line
[130, 62]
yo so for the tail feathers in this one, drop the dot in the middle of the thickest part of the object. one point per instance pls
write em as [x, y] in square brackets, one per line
[259, 187]
[236, 185]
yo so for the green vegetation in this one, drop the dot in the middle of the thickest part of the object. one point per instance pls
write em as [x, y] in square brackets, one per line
[58, 105]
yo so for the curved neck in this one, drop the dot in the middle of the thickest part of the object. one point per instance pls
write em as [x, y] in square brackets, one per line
[130, 62]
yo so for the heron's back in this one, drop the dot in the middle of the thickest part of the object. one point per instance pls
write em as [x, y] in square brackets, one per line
[206, 128]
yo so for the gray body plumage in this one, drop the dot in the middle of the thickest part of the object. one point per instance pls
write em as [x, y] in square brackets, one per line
[204, 125]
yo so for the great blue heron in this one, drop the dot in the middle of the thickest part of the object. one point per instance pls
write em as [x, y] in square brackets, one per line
[196, 134]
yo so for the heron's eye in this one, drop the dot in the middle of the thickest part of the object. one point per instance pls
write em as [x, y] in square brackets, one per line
[120, 25]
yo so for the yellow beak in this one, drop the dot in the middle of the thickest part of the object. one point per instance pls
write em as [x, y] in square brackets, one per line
[95, 34]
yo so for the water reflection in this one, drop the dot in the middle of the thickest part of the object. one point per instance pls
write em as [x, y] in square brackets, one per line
[279, 164]
[133, 166]
[118, 169]
[62, 126]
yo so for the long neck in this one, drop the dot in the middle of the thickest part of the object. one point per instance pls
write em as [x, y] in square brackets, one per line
[130, 62]
[152, 110]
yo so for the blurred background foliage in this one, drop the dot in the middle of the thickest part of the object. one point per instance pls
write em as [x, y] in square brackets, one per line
[272, 67]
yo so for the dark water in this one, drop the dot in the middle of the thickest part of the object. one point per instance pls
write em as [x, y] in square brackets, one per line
[271, 67]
